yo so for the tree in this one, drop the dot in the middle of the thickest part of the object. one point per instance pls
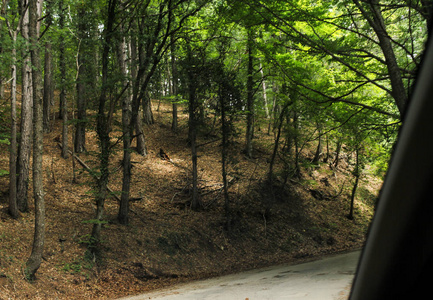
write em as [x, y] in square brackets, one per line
[63, 100]
[153, 36]
[103, 124]
[48, 85]
[140, 138]
[270, 179]
[35, 259]
[241, 14]
[123, 215]
[265, 97]
[174, 83]
[84, 78]
[229, 97]
[341, 31]
[48, 72]
[26, 114]
[372, 12]
[357, 174]
[13, 206]
[192, 82]
[250, 96]
[13, 33]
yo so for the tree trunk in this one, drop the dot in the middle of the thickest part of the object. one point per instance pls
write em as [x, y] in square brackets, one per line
[250, 98]
[174, 119]
[48, 75]
[2, 89]
[147, 110]
[225, 133]
[103, 128]
[337, 153]
[82, 73]
[357, 174]
[192, 132]
[427, 9]
[13, 59]
[13, 206]
[276, 143]
[296, 141]
[48, 86]
[270, 179]
[141, 139]
[288, 147]
[375, 18]
[80, 127]
[274, 108]
[319, 148]
[63, 99]
[195, 204]
[25, 145]
[123, 215]
[35, 259]
[325, 160]
[265, 96]
[174, 85]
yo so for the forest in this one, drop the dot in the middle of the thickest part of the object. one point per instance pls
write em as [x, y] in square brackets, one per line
[154, 139]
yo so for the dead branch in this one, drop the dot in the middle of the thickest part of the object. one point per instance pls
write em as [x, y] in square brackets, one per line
[178, 193]
[88, 169]
[219, 192]
[209, 142]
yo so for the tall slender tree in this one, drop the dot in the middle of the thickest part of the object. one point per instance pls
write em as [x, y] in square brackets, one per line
[174, 83]
[250, 95]
[25, 142]
[13, 30]
[63, 99]
[192, 74]
[35, 259]
[13, 206]
[133, 67]
[123, 215]
[48, 71]
[103, 123]
[82, 84]
[372, 12]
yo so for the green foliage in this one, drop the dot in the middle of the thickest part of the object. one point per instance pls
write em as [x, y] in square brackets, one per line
[27, 276]
[4, 140]
[88, 240]
[81, 266]
[178, 99]
[94, 221]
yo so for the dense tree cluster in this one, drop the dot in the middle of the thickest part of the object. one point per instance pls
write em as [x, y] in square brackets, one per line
[323, 73]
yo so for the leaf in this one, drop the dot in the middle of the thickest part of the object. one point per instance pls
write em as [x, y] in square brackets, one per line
[4, 141]
[94, 221]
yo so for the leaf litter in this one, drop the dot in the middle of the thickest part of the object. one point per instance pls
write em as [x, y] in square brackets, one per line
[167, 243]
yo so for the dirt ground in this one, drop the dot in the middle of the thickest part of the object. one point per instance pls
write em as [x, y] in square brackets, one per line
[166, 242]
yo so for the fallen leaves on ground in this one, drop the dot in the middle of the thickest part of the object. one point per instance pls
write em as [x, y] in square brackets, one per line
[165, 242]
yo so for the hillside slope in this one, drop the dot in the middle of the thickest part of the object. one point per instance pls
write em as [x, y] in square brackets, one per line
[166, 242]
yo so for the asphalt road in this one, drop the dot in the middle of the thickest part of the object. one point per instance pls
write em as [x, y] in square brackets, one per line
[325, 279]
